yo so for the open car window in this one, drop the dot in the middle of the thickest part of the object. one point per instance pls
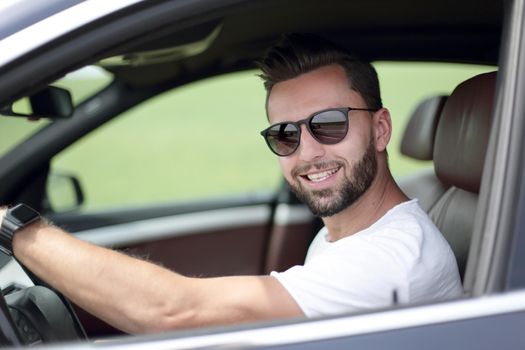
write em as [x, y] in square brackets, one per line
[202, 141]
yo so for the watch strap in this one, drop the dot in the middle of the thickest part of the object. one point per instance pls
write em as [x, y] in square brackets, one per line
[15, 218]
[7, 229]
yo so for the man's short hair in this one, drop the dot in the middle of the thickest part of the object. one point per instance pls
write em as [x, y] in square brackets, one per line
[296, 54]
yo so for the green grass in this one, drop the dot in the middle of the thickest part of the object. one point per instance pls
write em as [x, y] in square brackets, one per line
[195, 142]
[203, 140]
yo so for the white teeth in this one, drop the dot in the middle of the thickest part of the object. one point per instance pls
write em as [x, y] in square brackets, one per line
[318, 177]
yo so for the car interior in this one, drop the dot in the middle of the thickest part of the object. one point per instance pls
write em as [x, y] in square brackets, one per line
[418, 143]
[154, 57]
[458, 151]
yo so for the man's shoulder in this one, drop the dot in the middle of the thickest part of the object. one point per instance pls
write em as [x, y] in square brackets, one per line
[404, 220]
[404, 236]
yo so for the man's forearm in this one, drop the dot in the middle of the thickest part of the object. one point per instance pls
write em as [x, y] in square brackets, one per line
[137, 296]
[128, 293]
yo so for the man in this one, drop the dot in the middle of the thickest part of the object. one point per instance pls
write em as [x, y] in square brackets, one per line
[330, 132]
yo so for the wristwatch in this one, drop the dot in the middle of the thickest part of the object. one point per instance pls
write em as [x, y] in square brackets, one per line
[15, 218]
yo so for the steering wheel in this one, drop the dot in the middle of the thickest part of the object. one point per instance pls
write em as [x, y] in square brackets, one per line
[37, 314]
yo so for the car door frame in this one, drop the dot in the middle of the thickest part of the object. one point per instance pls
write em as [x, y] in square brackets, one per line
[497, 230]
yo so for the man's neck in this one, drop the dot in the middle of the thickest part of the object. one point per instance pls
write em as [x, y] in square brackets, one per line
[383, 195]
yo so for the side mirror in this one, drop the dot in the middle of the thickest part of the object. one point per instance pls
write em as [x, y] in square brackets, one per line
[50, 102]
[63, 193]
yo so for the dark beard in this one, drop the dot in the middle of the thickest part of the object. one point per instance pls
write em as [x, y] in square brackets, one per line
[344, 196]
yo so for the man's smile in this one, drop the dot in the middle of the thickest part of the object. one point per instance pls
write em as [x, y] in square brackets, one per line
[320, 175]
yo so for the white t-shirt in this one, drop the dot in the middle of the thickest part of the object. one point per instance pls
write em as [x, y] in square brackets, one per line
[402, 253]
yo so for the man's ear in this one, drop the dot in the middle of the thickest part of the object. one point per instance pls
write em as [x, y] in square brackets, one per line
[382, 129]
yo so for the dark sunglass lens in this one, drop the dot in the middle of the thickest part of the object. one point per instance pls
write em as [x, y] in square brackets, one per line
[283, 139]
[329, 126]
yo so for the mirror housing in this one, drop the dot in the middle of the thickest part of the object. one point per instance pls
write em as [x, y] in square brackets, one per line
[50, 102]
[63, 193]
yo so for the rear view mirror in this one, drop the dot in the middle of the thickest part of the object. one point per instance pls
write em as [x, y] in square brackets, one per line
[50, 102]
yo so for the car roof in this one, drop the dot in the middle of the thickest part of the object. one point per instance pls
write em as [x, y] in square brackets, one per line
[467, 31]
[20, 14]
[27, 25]
[198, 39]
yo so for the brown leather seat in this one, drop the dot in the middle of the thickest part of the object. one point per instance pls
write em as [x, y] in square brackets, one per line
[459, 153]
[418, 143]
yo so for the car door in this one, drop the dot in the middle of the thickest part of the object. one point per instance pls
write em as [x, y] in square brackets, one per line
[202, 235]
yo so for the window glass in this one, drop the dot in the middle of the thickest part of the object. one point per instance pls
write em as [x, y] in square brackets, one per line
[84, 82]
[403, 86]
[198, 141]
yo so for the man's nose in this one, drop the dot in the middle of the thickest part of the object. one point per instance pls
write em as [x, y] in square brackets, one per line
[309, 148]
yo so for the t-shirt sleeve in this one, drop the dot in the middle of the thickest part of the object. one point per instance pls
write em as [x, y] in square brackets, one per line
[348, 279]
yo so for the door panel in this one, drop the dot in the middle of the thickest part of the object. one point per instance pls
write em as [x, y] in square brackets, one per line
[209, 243]
[238, 251]
[293, 229]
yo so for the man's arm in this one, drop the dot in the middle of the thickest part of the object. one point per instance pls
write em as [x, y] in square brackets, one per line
[137, 296]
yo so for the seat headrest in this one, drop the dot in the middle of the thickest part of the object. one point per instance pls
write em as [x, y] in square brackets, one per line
[418, 138]
[463, 133]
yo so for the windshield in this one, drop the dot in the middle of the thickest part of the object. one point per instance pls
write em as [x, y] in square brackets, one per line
[14, 130]
[82, 84]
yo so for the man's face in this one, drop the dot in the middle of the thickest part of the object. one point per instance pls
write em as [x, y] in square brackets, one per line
[328, 178]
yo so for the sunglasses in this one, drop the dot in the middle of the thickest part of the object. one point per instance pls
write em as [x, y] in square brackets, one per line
[328, 127]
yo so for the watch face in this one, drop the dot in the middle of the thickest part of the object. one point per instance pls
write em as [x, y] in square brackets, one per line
[23, 213]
